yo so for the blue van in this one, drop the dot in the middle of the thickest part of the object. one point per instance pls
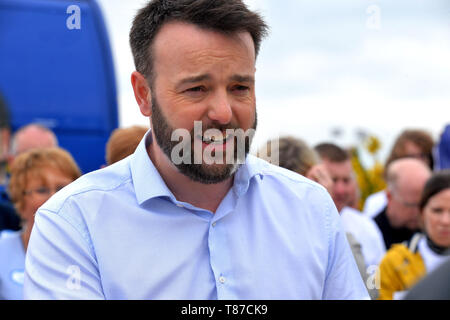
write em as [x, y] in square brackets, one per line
[56, 69]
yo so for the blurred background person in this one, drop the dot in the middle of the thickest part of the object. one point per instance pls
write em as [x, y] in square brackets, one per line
[404, 264]
[123, 142]
[337, 161]
[35, 176]
[442, 151]
[25, 138]
[8, 217]
[5, 132]
[294, 154]
[411, 143]
[399, 220]
[9, 220]
[30, 136]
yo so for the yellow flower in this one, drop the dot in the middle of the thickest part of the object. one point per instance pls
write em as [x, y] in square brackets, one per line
[369, 180]
[373, 145]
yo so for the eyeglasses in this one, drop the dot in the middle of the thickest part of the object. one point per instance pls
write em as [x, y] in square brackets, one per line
[43, 191]
[406, 204]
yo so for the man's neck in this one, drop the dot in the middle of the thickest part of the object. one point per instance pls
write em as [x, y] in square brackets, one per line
[200, 195]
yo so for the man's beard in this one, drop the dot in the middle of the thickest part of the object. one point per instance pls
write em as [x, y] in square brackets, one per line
[203, 173]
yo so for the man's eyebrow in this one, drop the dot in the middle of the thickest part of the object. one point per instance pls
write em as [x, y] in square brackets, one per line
[193, 79]
[203, 77]
[239, 78]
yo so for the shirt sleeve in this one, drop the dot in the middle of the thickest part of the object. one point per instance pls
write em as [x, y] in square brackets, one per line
[343, 280]
[60, 263]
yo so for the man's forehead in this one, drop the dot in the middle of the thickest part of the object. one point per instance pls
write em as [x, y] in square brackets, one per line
[347, 165]
[189, 38]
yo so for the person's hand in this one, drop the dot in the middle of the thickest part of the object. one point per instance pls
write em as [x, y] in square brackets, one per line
[319, 174]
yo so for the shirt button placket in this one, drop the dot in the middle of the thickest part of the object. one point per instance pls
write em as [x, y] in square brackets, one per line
[219, 259]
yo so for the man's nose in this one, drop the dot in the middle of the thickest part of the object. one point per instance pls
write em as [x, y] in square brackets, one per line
[220, 108]
[340, 187]
[446, 218]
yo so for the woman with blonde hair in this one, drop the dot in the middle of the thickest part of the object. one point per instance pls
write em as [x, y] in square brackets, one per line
[35, 176]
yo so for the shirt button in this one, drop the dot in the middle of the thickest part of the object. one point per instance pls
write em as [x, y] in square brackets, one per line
[180, 205]
[222, 279]
[214, 224]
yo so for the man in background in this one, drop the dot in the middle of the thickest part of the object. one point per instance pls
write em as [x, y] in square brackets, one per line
[32, 136]
[399, 220]
[411, 143]
[9, 220]
[338, 164]
[25, 138]
[5, 135]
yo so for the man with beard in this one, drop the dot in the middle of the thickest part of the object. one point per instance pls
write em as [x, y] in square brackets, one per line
[186, 216]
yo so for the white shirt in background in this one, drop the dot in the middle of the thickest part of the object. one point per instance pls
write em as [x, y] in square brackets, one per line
[375, 203]
[366, 233]
[431, 259]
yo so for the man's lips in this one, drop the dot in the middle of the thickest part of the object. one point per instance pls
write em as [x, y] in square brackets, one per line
[444, 233]
[214, 139]
[214, 143]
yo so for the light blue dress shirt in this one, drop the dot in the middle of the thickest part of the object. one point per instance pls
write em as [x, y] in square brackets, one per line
[119, 233]
[12, 265]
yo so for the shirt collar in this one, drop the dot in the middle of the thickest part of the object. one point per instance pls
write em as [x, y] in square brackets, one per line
[251, 168]
[149, 184]
[147, 181]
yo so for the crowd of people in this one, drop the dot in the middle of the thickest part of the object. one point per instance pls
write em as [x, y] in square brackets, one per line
[403, 232]
[146, 227]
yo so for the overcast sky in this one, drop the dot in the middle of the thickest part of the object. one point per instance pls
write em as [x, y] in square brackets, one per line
[329, 66]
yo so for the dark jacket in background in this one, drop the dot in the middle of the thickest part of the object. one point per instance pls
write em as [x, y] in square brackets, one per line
[9, 220]
[392, 235]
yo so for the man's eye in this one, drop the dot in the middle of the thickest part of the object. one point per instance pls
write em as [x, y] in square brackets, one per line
[437, 210]
[43, 190]
[241, 88]
[195, 92]
[196, 89]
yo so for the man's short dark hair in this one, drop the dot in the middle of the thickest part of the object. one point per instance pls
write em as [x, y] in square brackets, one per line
[332, 152]
[225, 16]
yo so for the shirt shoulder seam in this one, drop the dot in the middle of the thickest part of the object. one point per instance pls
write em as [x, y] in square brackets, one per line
[69, 221]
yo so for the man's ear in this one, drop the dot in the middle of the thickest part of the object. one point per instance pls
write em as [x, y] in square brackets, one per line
[388, 195]
[142, 93]
[389, 198]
